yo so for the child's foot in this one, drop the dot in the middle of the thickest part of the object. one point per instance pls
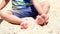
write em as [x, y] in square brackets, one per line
[45, 17]
[39, 20]
[42, 20]
[24, 25]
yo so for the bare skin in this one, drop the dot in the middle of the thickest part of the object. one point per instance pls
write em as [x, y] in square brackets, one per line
[42, 10]
[3, 4]
[40, 19]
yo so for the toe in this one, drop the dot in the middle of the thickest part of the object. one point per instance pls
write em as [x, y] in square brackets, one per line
[39, 20]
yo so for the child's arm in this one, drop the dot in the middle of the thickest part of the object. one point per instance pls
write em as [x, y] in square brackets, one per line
[3, 4]
[36, 3]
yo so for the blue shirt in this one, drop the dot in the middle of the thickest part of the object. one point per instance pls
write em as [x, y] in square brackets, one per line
[20, 4]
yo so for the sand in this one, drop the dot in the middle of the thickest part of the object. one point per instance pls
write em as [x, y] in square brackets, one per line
[53, 27]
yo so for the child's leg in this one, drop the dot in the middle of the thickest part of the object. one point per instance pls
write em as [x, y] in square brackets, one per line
[45, 7]
[8, 16]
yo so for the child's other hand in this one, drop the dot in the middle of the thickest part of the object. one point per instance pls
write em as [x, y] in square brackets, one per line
[24, 25]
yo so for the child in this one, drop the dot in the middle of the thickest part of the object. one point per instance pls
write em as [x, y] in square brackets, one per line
[24, 8]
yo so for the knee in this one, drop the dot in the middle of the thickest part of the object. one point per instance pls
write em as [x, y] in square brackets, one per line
[5, 12]
[47, 4]
[1, 13]
[9, 12]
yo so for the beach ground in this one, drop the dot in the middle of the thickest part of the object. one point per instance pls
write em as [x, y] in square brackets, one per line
[53, 26]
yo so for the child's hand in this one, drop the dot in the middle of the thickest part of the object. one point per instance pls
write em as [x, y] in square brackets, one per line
[24, 25]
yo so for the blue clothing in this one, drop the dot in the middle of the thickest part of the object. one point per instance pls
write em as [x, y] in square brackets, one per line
[20, 4]
[23, 8]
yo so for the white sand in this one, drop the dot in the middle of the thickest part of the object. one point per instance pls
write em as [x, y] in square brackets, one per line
[53, 27]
